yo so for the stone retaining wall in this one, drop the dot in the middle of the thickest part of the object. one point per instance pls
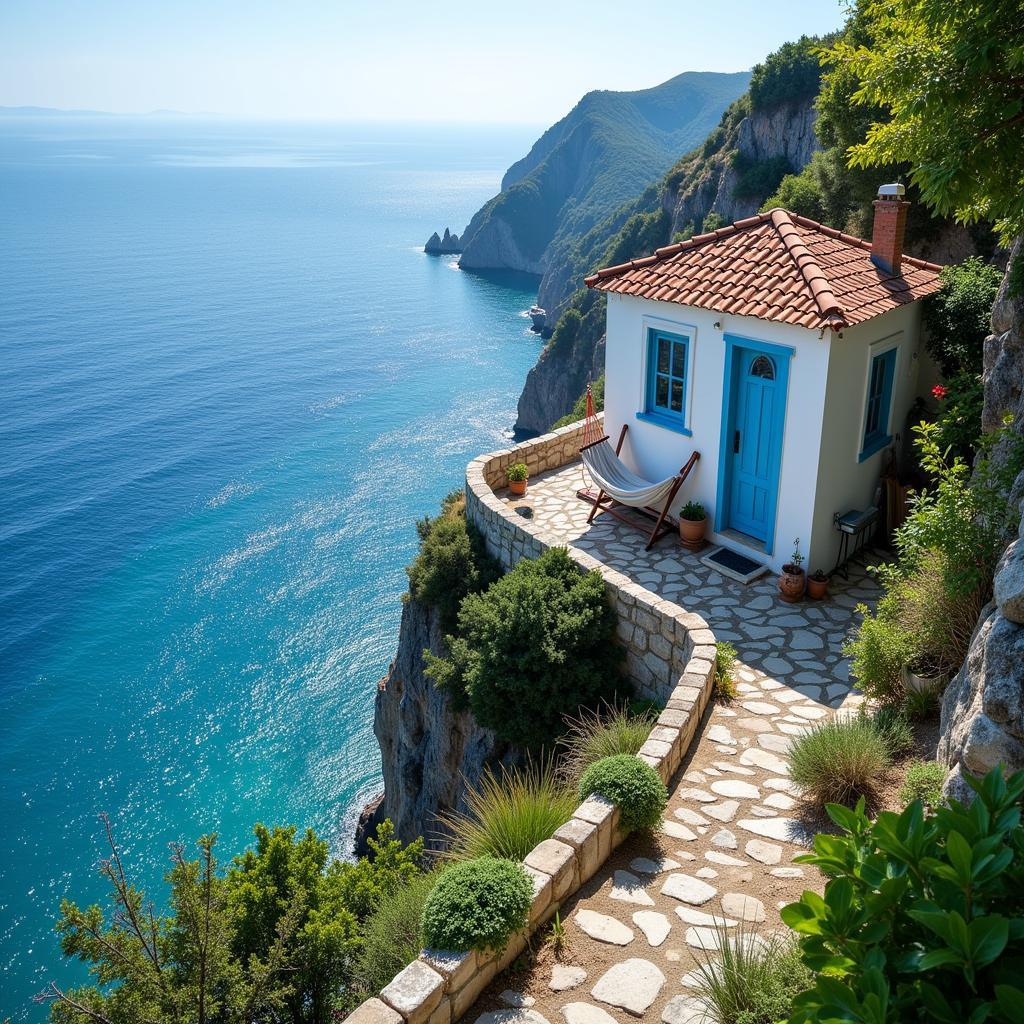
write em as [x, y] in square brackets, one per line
[671, 659]
[660, 637]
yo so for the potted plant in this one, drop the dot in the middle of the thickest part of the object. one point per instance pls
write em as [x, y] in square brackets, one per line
[517, 475]
[817, 585]
[692, 520]
[921, 675]
[793, 579]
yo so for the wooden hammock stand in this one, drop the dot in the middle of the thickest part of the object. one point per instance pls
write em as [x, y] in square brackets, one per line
[606, 503]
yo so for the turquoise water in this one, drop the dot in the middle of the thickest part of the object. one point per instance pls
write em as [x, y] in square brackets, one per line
[231, 382]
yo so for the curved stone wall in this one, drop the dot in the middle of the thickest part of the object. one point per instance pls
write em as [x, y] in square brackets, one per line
[671, 659]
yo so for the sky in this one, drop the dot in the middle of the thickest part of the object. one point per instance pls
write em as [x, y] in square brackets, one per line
[378, 60]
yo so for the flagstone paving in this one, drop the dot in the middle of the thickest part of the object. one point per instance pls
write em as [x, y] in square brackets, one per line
[723, 858]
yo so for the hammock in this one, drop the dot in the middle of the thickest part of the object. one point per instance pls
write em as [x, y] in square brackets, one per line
[620, 485]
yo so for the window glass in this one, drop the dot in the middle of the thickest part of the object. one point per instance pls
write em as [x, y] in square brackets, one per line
[667, 370]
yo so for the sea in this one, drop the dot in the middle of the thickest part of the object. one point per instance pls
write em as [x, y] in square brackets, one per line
[230, 383]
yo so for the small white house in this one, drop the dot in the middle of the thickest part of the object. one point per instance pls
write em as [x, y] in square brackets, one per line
[786, 353]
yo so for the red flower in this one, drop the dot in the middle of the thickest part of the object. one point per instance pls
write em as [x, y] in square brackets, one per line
[940, 391]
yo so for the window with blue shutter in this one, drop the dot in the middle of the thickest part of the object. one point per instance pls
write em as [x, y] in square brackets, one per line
[667, 372]
[881, 374]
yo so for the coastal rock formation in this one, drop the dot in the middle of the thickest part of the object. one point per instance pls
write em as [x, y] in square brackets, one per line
[982, 721]
[602, 154]
[437, 246]
[429, 753]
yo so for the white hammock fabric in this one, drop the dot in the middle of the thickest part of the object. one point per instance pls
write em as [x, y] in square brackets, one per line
[620, 482]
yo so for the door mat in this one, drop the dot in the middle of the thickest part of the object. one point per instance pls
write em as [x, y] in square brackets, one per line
[734, 565]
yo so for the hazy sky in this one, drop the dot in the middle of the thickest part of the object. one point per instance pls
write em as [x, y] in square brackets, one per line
[423, 60]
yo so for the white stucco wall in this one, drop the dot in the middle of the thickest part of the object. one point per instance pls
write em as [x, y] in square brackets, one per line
[844, 482]
[820, 473]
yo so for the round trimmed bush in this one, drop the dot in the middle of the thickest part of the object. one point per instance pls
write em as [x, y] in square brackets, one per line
[477, 904]
[631, 784]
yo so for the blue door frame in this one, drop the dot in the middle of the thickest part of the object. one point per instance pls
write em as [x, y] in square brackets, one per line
[759, 461]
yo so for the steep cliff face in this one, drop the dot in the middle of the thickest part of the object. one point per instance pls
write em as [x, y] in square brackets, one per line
[599, 156]
[429, 752]
[712, 183]
[982, 722]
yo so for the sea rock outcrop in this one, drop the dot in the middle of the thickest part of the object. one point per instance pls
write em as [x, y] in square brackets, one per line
[982, 722]
[438, 246]
[429, 752]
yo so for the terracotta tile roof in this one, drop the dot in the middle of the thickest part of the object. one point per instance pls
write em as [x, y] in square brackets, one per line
[775, 266]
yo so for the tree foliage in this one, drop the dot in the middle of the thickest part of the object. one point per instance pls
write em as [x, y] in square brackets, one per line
[922, 917]
[790, 74]
[271, 939]
[957, 316]
[537, 645]
[943, 84]
[452, 560]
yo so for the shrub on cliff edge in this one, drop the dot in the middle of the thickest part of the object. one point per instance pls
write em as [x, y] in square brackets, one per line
[536, 645]
[631, 784]
[477, 904]
[452, 561]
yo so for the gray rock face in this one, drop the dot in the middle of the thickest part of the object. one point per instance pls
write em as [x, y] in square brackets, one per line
[982, 721]
[437, 246]
[427, 749]
[554, 383]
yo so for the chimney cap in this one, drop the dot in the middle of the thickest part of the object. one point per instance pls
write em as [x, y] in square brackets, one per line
[893, 191]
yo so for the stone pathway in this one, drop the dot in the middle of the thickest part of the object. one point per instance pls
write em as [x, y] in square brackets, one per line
[723, 858]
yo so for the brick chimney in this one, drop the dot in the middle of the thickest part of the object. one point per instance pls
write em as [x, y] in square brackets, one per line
[890, 225]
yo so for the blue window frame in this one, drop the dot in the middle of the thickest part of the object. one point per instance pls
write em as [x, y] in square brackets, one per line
[667, 378]
[881, 374]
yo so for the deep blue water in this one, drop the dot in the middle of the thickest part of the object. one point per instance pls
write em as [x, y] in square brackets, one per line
[230, 384]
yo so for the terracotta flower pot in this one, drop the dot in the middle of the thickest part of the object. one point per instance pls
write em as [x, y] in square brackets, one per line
[817, 589]
[691, 532]
[792, 581]
[517, 487]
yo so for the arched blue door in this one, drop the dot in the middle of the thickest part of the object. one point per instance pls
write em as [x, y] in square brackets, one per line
[755, 443]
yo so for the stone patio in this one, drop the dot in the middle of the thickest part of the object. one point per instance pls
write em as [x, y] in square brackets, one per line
[724, 856]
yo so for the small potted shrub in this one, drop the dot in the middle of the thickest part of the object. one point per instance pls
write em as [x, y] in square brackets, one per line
[817, 585]
[692, 520]
[793, 579]
[517, 475]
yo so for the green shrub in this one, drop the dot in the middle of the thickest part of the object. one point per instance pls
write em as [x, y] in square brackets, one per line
[923, 914]
[693, 512]
[538, 644]
[517, 472]
[791, 74]
[878, 653]
[452, 561]
[631, 784]
[725, 663]
[752, 979]
[961, 400]
[924, 782]
[758, 178]
[510, 813]
[712, 222]
[567, 331]
[957, 316]
[477, 904]
[393, 936]
[838, 760]
[604, 732]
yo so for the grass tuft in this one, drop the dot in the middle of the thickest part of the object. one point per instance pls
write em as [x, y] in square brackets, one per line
[595, 735]
[510, 813]
[839, 760]
[725, 663]
[752, 979]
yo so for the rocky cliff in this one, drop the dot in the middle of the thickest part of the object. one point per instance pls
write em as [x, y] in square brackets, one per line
[429, 752]
[438, 246]
[603, 153]
[982, 722]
